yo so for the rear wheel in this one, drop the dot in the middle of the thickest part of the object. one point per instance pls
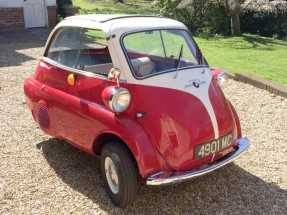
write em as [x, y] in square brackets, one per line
[119, 173]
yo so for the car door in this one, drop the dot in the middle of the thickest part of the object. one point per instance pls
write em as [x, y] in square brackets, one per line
[184, 107]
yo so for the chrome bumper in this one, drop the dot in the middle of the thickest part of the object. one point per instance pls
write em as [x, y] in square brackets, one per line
[165, 178]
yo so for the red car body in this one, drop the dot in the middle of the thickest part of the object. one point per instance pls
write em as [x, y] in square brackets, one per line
[162, 124]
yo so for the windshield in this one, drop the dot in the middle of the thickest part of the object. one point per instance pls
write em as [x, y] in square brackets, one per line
[157, 51]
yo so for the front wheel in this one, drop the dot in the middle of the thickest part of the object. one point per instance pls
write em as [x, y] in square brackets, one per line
[119, 173]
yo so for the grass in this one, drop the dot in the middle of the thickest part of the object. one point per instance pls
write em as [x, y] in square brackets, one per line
[260, 56]
[109, 7]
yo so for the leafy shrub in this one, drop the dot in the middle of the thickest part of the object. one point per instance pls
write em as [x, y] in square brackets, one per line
[60, 4]
[169, 9]
[202, 17]
[124, 9]
[217, 19]
[265, 19]
[212, 17]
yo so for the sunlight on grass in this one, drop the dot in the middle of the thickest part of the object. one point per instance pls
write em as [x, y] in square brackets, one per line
[263, 57]
[109, 7]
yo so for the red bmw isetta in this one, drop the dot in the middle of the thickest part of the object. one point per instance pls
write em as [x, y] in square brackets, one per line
[137, 91]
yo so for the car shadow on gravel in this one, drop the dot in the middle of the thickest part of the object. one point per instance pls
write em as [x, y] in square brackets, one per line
[12, 42]
[228, 190]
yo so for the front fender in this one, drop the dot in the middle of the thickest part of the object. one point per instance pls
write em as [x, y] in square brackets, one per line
[236, 119]
[135, 137]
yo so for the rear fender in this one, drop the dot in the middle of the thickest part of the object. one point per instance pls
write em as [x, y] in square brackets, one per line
[29, 92]
[39, 99]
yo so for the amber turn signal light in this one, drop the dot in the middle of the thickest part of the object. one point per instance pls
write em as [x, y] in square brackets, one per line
[71, 79]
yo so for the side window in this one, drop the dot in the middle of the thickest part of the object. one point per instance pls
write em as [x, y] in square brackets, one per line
[80, 48]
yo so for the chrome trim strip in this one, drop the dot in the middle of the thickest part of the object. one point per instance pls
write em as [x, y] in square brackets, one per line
[70, 69]
[163, 178]
[76, 71]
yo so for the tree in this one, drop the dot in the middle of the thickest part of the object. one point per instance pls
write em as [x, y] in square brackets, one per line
[233, 8]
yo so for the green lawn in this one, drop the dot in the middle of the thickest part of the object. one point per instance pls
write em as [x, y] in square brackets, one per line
[263, 57]
[109, 7]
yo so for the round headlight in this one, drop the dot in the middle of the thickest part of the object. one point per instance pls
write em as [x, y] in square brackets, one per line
[120, 100]
[116, 98]
[222, 80]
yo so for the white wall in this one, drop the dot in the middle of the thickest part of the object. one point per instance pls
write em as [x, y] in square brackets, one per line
[20, 3]
[11, 3]
[50, 2]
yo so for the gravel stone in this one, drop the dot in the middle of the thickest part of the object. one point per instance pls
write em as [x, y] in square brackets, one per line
[42, 175]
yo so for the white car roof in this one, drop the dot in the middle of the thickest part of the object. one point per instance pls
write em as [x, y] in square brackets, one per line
[119, 24]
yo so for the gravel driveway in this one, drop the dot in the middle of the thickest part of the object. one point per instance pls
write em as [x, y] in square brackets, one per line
[42, 175]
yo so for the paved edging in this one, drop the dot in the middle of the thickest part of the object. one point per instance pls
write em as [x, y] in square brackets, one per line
[259, 83]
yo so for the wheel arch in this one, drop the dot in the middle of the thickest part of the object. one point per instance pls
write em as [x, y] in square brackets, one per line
[104, 138]
[146, 157]
[108, 137]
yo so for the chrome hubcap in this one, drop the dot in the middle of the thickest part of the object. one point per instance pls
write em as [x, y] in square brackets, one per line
[111, 175]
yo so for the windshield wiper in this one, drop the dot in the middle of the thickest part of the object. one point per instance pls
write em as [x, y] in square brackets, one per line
[178, 61]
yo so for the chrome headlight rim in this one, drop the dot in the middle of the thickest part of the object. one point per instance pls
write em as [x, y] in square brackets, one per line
[115, 107]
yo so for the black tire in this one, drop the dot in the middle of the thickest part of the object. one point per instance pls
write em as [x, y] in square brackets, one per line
[121, 185]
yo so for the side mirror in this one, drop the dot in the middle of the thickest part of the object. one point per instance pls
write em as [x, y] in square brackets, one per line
[114, 74]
